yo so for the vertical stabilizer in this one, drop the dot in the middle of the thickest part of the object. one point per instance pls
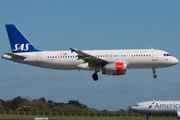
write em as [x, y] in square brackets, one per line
[19, 43]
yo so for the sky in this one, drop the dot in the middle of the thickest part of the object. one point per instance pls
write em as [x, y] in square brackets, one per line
[91, 25]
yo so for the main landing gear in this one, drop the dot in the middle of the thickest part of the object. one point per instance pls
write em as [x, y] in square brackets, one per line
[147, 118]
[154, 71]
[95, 76]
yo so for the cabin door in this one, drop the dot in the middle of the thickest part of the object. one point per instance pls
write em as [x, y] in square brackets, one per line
[39, 58]
[154, 55]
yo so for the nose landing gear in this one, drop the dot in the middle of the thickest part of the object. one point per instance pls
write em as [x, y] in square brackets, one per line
[95, 76]
[154, 71]
[154, 76]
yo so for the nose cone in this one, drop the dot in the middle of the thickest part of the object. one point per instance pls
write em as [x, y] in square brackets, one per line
[134, 108]
[175, 61]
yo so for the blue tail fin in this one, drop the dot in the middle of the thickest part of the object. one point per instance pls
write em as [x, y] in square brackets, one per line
[19, 43]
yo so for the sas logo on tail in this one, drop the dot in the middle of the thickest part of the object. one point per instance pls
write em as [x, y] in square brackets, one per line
[21, 47]
[151, 105]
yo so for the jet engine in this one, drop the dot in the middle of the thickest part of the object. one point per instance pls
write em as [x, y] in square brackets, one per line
[118, 68]
[178, 114]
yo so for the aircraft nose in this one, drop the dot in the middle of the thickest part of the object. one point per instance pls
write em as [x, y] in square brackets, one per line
[175, 61]
[132, 108]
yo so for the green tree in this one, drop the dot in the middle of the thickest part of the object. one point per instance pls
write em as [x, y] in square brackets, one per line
[3, 102]
[1, 107]
[43, 99]
[50, 104]
[122, 111]
[40, 107]
[15, 103]
[55, 109]
[77, 104]
[105, 111]
[68, 108]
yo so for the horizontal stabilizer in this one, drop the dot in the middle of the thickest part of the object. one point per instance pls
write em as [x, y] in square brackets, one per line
[15, 55]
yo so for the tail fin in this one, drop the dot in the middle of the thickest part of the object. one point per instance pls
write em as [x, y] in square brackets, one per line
[19, 43]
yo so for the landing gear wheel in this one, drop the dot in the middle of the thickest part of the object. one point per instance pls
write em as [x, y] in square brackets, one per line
[147, 118]
[154, 76]
[95, 77]
[154, 71]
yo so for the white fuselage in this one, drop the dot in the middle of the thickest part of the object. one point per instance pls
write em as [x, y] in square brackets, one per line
[65, 60]
[110, 62]
[157, 107]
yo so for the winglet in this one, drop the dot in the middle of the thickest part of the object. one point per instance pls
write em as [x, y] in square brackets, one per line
[72, 50]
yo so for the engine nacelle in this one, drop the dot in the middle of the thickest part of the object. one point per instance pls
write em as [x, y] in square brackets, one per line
[178, 114]
[118, 68]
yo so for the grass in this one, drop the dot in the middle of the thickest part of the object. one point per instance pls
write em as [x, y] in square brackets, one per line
[84, 118]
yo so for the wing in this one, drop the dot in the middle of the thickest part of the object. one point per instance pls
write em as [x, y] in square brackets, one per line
[90, 59]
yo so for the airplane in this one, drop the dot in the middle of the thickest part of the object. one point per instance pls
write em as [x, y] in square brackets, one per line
[158, 108]
[110, 62]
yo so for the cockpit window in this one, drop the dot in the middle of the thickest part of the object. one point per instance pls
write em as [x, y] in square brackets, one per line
[136, 105]
[167, 54]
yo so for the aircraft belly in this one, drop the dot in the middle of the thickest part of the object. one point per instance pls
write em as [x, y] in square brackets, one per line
[144, 65]
[61, 64]
[157, 111]
[162, 112]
